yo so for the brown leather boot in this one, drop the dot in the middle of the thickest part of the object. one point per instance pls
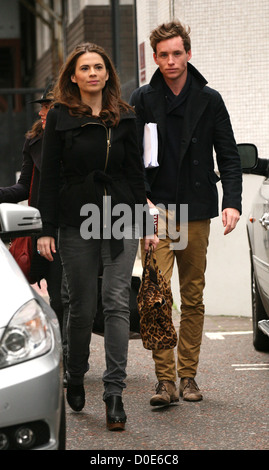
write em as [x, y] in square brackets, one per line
[165, 393]
[189, 390]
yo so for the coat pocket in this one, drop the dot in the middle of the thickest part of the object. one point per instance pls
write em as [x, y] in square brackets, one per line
[213, 177]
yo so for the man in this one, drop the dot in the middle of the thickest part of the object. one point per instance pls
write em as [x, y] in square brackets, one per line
[192, 122]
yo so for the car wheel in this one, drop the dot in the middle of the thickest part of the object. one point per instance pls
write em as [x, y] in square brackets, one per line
[260, 340]
[62, 430]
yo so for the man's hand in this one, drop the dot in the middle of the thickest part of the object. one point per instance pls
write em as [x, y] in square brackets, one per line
[230, 218]
[150, 203]
[150, 240]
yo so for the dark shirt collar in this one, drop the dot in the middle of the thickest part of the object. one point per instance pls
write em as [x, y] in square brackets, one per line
[174, 101]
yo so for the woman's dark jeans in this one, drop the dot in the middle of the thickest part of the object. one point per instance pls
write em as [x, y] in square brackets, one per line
[54, 279]
[81, 262]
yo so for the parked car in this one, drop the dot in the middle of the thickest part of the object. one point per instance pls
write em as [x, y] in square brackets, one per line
[258, 237]
[32, 412]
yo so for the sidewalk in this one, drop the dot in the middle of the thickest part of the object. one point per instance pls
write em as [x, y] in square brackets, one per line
[181, 426]
[232, 416]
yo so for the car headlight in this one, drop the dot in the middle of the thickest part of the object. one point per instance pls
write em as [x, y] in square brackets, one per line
[27, 336]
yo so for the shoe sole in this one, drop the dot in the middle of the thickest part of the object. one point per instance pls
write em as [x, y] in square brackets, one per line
[160, 402]
[115, 426]
[191, 399]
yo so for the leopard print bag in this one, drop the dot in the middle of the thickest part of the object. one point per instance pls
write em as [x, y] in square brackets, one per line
[155, 307]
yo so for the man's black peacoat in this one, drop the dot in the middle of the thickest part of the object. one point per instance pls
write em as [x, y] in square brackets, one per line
[207, 128]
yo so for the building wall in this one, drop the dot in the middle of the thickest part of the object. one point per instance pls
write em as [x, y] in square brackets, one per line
[93, 24]
[9, 20]
[91, 21]
[43, 70]
[230, 48]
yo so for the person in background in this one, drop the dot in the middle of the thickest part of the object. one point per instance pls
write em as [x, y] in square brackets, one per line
[91, 134]
[192, 122]
[30, 179]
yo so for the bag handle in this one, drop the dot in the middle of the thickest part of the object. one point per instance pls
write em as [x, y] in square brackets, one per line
[149, 254]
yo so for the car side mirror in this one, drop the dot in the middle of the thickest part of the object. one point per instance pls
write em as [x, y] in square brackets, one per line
[250, 162]
[17, 220]
[248, 155]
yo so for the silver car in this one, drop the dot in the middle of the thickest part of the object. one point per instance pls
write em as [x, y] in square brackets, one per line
[32, 412]
[258, 238]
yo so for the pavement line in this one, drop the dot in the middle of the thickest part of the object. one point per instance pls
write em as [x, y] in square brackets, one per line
[220, 335]
[252, 368]
[261, 366]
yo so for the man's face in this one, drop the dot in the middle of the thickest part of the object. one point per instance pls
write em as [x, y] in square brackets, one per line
[172, 58]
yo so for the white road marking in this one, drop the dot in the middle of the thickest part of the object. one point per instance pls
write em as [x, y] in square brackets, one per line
[261, 366]
[221, 335]
[246, 365]
[254, 368]
[238, 367]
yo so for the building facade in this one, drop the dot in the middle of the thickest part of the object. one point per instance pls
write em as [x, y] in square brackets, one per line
[111, 24]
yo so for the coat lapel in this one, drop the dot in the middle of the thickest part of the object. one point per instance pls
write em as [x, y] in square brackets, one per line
[196, 105]
[36, 150]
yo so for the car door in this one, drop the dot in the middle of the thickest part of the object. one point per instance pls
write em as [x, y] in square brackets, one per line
[260, 246]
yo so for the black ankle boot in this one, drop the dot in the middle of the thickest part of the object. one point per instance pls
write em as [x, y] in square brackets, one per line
[75, 396]
[115, 414]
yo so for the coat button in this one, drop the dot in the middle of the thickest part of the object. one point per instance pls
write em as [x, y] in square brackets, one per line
[197, 184]
[195, 162]
[194, 140]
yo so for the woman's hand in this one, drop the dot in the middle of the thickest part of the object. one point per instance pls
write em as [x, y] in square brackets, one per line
[45, 247]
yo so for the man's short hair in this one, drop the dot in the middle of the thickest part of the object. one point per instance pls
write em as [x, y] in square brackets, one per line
[170, 30]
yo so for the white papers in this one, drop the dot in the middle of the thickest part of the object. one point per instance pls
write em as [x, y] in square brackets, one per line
[150, 143]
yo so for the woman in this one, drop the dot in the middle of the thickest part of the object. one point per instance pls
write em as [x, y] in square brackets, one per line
[29, 179]
[91, 135]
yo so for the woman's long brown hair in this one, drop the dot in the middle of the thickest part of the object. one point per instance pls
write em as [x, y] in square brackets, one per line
[67, 93]
[35, 130]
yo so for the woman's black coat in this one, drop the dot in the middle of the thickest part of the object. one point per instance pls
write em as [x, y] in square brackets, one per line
[18, 192]
[94, 160]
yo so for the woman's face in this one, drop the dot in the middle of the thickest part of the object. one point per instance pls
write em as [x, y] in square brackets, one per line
[43, 113]
[90, 74]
